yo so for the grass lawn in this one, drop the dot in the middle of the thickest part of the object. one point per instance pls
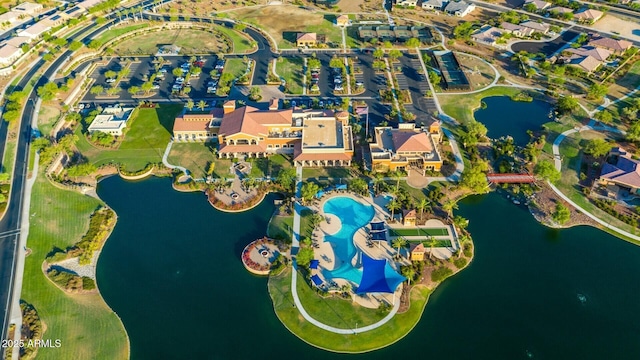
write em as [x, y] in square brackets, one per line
[117, 31]
[419, 232]
[194, 156]
[399, 326]
[290, 68]
[280, 227]
[59, 219]
[626, 83]
[235, 67]
[191, 41]
[47, 118]
[331, 172]
[241, 42]
[305, 223]
[270, 19]
[9, 157]
[417, 194]
[461, 107]
[269, 166]
[145, 142]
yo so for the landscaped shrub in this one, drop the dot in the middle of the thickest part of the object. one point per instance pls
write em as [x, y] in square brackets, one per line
[88, 283]
[441, 273]
[468, 250]
[460, 263]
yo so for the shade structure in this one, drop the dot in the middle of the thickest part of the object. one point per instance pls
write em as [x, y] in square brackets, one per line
[316, 280]
[379, 235]
[378, 276]
[341, 187]
[314, 264]
[377, 226]
[319, 194]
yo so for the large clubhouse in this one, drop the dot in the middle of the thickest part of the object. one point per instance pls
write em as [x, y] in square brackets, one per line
[315, 138]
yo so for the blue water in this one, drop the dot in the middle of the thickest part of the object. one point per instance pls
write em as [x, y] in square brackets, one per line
[353, 215]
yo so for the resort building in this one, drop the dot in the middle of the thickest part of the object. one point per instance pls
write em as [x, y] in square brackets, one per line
[394, 33]
[112, 120]
[307, 39]
[621, 171]
[197, 126]
[459, 8]
[433, 4]
[616, 46]
[343, 20]
[314, 137]
[9, 54]
[539, 4]
[406, 148]
[588, 16]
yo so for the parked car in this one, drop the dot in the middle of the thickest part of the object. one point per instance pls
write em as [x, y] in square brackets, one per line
[338, 87]
[359, 84]
[111, 80]
[180, 80]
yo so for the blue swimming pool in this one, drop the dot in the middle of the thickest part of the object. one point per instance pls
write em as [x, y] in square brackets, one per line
[353, 215]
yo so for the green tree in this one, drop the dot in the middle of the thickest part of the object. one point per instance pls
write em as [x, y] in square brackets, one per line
[81, 170]
[75, 45]
[202, 105]
[398, 243]
[450, 205]
[177, 72]
[255, 93]
[567, 104]
[359, 186]
[561, 215]
[308, 191]
[304, 257]
[147, 86]
[434, 78]
[633, 133]
[460, 222]
[378, 53]
[11, 115]
[604, 116]
[597, 91]
[546, 170]
[412, 43]
[287, 178]
[313, 63]
[395, 54]
[409, 272]
[133, 90]
[47, 92]
[336, 62]
[432, 242]
[110, 74]
[422, 206]
[393, 205]
[597, 147]
[94, 44]
[189, 105]
[463, 31]
[97, 90]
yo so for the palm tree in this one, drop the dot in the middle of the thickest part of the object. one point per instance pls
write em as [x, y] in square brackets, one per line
[432, 243]
[449, 206]
[377, 179]
[422, 205]
[398, 243]
[460, 222]
[393, 205]
[397, 175]
[315, 220]
[202, 104]
[409, 272]
[189, 105]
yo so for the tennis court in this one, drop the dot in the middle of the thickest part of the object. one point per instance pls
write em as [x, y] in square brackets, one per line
[420, 232]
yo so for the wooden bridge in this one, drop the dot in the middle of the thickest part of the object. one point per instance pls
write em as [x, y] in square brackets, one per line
[510, 178]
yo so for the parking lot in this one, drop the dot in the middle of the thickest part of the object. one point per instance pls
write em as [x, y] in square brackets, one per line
[416, 82]
[140, 71]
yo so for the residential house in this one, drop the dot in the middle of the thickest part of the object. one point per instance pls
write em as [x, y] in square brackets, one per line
[407, 3]
[614, 45]
[56, 19]
[197, 126]
[459, 8]
[588, 16]
[9, 54]
[28, 8]
[307, 39]
[10, 17]
[433, 4]
[18, 41]
[560, 10]
[517, 30]
[587, 63]
[539, 4]
[405, 148]
[418, 251]
[112, 120]
[342, 20]
[536, 26]
[409, 217]
[314, 137]
[487, 35]
[36, 30]
[88, 4]
[623, 171]
[599, 54]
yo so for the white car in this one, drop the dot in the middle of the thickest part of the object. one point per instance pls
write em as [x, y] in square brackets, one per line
[111, 80]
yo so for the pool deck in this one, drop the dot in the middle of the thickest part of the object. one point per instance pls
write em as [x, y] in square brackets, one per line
[325, 254]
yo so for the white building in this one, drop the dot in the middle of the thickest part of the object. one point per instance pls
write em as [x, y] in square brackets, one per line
[9, 54]
[28, 8]
[113, 120]
[9, 17]
[433, 4]
[459, 8]
[37, 30]
[407, 3]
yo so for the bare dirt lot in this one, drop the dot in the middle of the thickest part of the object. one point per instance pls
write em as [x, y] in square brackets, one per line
[620, 26]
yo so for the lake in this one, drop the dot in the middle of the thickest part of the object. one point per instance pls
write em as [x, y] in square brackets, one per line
[172, 271]
[503, 117]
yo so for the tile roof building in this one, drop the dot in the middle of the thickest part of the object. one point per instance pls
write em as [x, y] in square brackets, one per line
[28, 8]
[112, 120]
[406, 148]
[342, 20]
[617, 46]
[9, 54]
[624, 172]
[517, 30]
[536, 26]
[306, 39]
[599, 54]
[433, 4]
[197, 127]
[588, 15]
[539, 4]
[488, 35]
[459, 8]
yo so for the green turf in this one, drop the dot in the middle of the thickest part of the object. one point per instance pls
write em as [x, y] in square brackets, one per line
[290, 68]
[115, 32]
[235, 67]
[87, 328]
[280, 227]
[419, 232]
[241, 43]
[145, 142]
[399, 326]
[195, 156]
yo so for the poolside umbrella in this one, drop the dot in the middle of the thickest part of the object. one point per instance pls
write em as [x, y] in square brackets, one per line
[378, 276]
[377, 226]
[314, 264]
[316, 280]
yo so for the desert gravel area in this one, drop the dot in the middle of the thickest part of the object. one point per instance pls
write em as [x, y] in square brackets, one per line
[623, 27]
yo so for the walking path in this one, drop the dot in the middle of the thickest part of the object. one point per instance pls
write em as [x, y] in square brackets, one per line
[15, 314]
[166, 162]
[295, 245]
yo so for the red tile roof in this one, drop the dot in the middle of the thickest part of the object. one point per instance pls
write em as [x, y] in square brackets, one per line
[611, 44]
[251, 121]
[411, 141]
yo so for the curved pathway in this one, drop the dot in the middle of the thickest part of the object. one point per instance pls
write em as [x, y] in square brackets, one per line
[171, 166]
[295, 245]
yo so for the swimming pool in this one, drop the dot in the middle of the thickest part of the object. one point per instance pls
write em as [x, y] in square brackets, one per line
[353, 215]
